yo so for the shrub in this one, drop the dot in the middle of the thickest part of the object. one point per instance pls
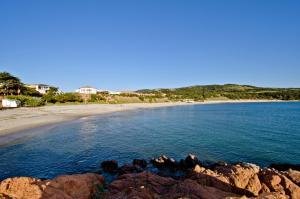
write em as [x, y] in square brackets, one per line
[49, 97]
[129, 95]
[30, 92]
[142, 98]
[68, 97]
[27, 100]
[97, 98]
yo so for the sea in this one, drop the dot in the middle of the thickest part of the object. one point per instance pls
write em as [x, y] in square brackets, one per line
[260, 133]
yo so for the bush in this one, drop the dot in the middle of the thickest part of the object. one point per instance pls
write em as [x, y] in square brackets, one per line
[97, 98]
[30, 92]
[27, 100]
[129, 95]
[68, 97]
[49, 97]
[142, 98]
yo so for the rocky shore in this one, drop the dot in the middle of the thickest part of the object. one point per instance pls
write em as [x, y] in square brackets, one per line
[168, 178]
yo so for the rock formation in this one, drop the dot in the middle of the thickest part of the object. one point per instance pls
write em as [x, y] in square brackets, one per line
[68, 187]
[222, 180]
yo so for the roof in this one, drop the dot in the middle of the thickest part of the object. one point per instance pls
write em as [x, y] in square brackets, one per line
[87, 87]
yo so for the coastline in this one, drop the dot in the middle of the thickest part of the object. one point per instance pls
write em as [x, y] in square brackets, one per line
[162, 176]
[186, 178]
[20, 119]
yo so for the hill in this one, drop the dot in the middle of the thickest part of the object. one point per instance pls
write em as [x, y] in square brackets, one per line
[226, 91]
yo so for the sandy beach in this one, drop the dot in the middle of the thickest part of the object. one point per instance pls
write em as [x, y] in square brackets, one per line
[14, 120]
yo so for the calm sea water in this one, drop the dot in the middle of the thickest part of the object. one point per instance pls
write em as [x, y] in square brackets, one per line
[261, 133]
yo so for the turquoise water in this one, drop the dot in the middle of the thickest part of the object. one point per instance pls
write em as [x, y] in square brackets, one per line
[261, 133]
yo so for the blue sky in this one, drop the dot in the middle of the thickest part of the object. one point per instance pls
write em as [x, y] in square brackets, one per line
[128, 45]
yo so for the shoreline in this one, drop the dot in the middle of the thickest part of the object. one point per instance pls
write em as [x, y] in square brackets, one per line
[13, 121]
[170, 179]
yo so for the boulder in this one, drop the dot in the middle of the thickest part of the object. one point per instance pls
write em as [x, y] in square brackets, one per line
[198, 169]
[110, 166]
[272, 195]
[207, 177]
[271, 178]
[294, 176]
[148, 185]
[153, 183]
[164, 162]
[290, 188]
[67, 187]
[127, 168]
[191, 189]
[21, 187]
[254, 185]
[191, 161]
[74, 186]
[242, 176]
[140, 163]
[264, 188]
[279, 183]
[159, 162]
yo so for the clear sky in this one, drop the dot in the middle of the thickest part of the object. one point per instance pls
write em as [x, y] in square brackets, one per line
[127, 45]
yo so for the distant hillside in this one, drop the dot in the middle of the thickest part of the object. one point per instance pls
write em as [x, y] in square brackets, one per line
[226, 91]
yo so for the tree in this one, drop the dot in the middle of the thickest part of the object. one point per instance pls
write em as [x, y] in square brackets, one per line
[9, 84]
[30, 92]
[49, 97]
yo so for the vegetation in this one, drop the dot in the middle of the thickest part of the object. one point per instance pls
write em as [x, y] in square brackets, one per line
[12, 88]
[227, 91]
[68, 97]
[9, 84]
[100, 98]
[27, 101]
[50, 96]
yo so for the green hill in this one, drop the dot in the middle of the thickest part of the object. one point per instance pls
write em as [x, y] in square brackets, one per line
[226, 91]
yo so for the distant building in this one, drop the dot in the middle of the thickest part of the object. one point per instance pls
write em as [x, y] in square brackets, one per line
[41, 88]
[114, 92]
[87, 90]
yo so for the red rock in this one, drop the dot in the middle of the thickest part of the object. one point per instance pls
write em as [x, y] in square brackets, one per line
[254, 185]
[279, 183]
[75, 186]
[21, 187]
[272, 196]
[242, 177]
[271, 178]
[198, 169]
[290, 188]
[148, 185]
[294, 176]
[212, 179]
[79, 186]
[264, 188]
[241, 174]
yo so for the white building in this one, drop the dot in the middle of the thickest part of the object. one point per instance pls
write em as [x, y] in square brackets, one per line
[41, 88]
[114, 92]
[87, 90]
